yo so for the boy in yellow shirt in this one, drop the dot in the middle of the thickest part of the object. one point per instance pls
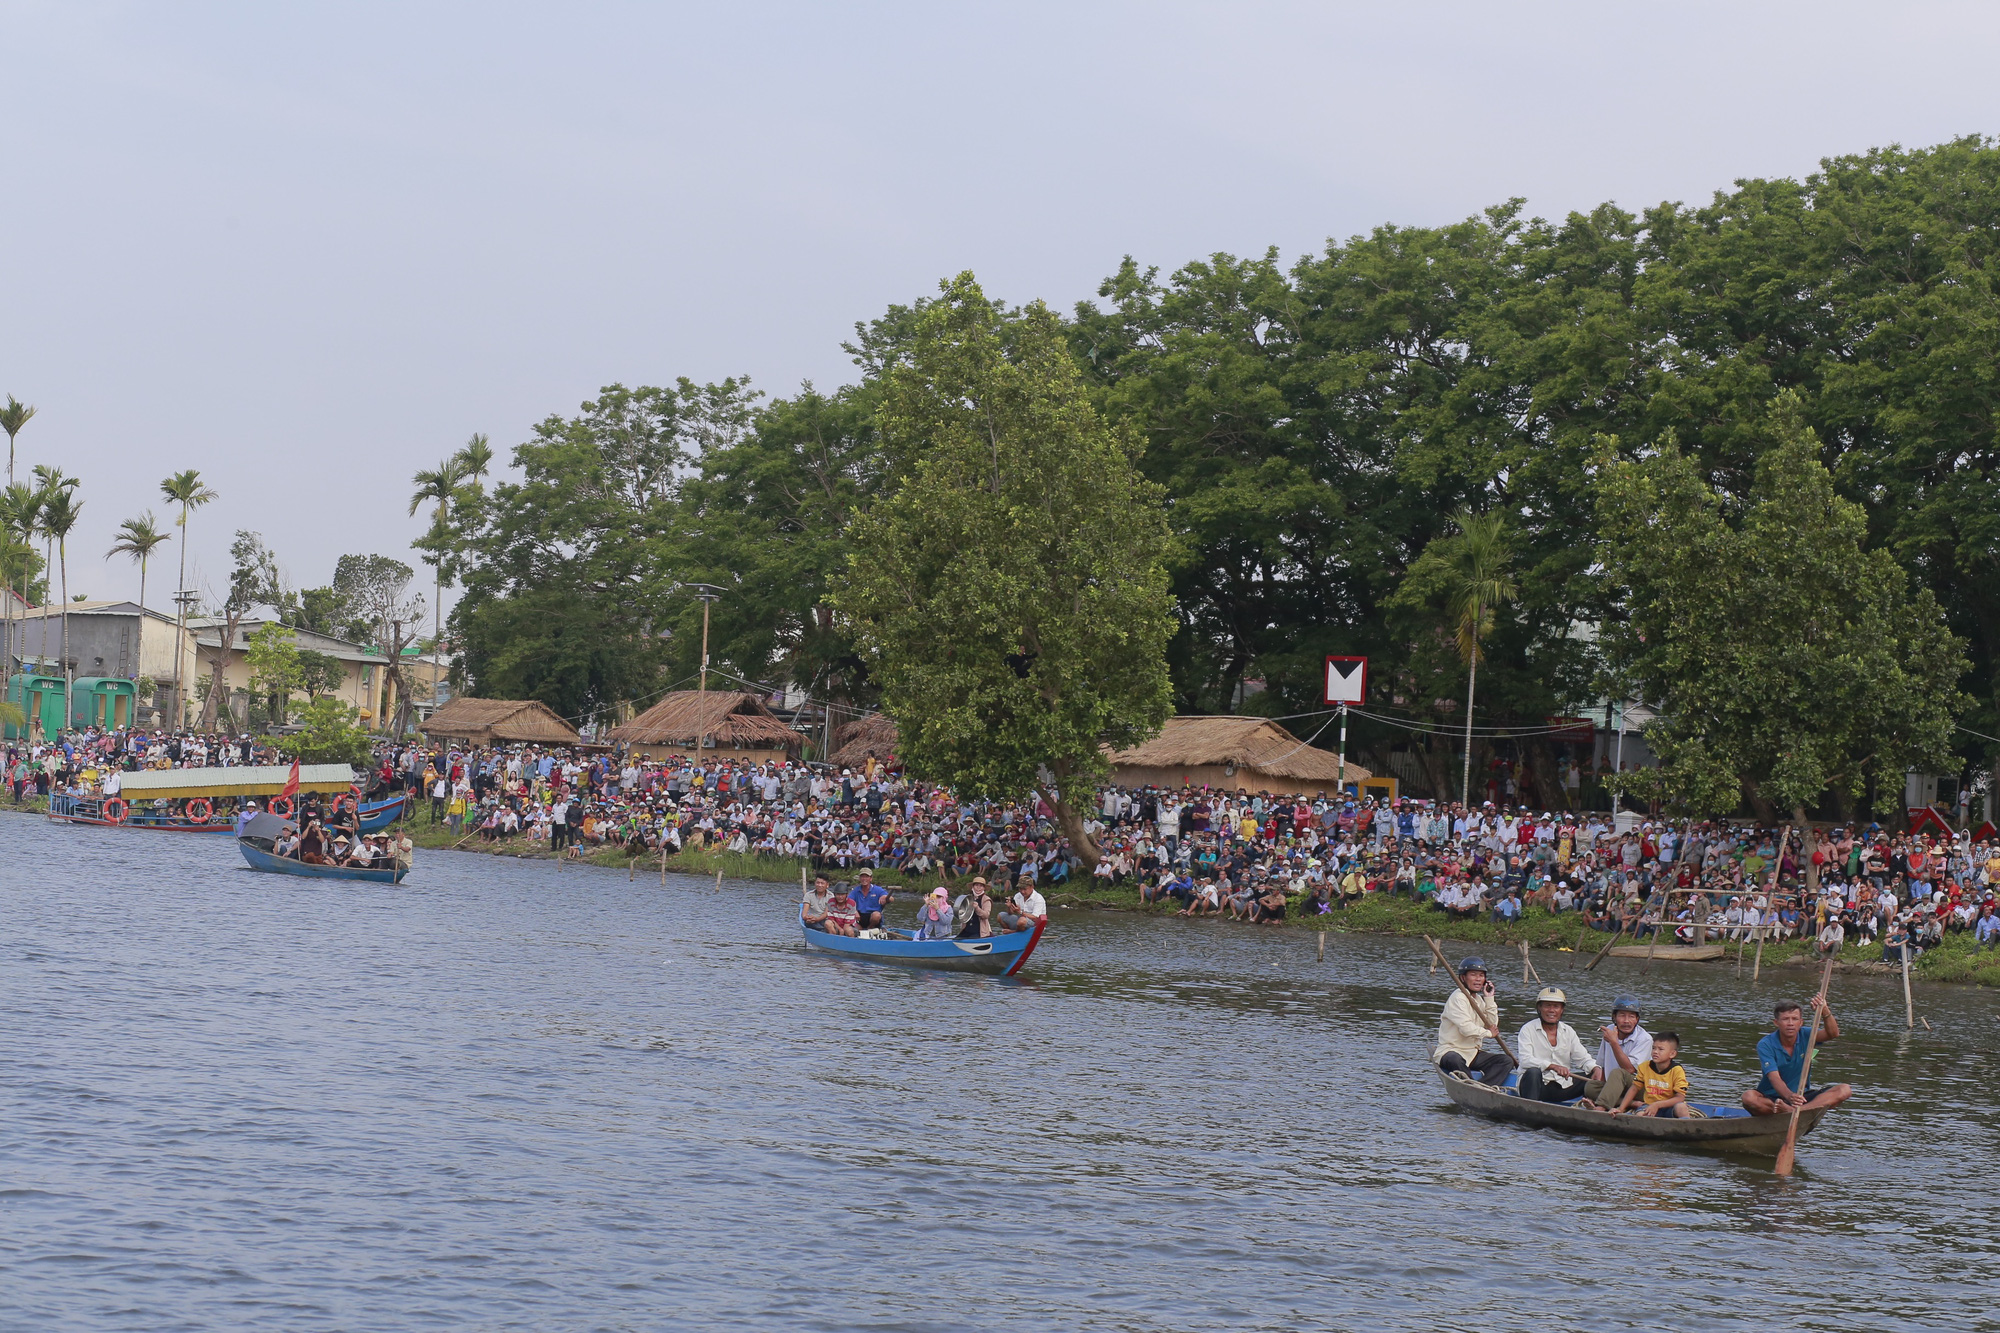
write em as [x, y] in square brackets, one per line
[1661, 1080]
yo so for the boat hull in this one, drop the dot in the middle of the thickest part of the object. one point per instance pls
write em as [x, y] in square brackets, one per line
[1726, 1128]
[997, 956]
[259, 859]
[78, 810]
[376, 817]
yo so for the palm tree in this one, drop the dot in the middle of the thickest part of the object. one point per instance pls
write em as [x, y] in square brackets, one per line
[186, 490]
[12, 417]
[138, 538]
[476, 458]
[59, 515]
[52, 482]
[1478, 580]
[19, 510]
[436, 486]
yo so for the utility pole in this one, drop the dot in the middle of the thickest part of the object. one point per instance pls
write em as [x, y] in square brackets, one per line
[707, 593]
[184, 601]
[1341, 784]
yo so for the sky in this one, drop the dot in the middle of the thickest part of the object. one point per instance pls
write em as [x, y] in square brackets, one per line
[308, 249]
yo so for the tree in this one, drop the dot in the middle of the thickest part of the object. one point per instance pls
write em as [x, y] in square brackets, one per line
[1469, 571]
[275, 669]
[327, 734]
[436, 486]
[1787, 658]
[375, 591]
[139, 538]
[186, 490]
[20, 566]
[253, 579]
[320, 673]
[13, 417]
[1011, 593]
[60, 511]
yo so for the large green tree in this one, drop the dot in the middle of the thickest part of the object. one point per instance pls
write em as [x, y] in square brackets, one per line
[1010, 594]
[1788, 660]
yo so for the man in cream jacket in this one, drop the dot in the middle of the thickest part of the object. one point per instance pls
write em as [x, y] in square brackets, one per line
[1463, 1028]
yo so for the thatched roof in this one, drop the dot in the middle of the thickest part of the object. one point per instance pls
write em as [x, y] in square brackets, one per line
[735, 721]
[875, 732]
[487, 721]
[1248, 742]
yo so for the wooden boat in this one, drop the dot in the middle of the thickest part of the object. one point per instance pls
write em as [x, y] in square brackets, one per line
[116, 812]
[1673, 953]
[261, 859]
[1723, 1128]
[998, 955]
[378, 815]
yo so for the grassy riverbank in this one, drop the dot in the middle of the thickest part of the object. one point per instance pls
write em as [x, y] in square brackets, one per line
[1955, 961]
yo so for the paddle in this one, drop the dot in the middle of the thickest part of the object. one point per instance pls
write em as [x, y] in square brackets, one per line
[1786, 1154]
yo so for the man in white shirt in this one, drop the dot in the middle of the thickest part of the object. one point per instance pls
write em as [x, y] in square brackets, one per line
[1620, 1049]
[1552, 1057]
[1029, 908]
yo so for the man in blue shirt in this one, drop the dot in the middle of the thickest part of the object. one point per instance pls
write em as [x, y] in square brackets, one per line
[1782, 1054]
[869, 900]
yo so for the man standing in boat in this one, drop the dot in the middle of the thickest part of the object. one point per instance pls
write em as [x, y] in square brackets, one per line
[1463, 1028]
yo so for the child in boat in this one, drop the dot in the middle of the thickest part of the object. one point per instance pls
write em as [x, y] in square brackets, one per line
[1660, 1080]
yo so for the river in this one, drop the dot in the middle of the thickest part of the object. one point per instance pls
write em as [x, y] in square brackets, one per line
[512, 1097]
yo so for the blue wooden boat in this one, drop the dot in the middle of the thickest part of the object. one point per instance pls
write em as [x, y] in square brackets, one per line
[378, 815]
[115, 812]
[997, 955]
[260, 859]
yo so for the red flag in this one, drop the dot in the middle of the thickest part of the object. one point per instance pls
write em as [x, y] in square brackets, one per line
[291, 783]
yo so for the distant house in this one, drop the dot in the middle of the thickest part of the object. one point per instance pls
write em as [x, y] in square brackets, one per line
[717, 723]
[1253, 754]
[361, 665]
[499, 722]
[106, 639]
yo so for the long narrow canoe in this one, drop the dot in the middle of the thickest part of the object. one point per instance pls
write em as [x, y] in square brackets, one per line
[1673, 953]
[1724, 1128]
[260, 859]
[997, 955]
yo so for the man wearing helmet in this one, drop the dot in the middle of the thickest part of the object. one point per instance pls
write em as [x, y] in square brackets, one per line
[1464, 1027]
[1552, 1057]
[1624, 1046]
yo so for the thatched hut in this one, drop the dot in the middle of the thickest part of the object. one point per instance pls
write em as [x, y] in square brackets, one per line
[499, 722]
[1251, 753]
[717, 723]
[871, 736]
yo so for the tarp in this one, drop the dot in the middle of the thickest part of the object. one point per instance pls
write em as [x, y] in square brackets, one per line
[265, 825]
[250, 780]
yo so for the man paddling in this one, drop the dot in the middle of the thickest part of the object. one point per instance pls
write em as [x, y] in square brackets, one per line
[1782, 1053]
[1463, 1028]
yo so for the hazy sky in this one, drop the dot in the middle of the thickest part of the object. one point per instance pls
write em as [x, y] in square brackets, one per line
[309, 249]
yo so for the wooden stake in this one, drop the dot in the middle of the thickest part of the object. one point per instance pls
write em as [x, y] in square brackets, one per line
[1757, 966]
[1322, 945]
[718, 881]
[1909, 1005]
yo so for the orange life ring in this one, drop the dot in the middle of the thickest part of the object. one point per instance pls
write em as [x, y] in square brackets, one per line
[114, 810]
[205, 813]
[275, 802]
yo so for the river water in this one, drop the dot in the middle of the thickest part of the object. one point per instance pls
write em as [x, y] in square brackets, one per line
[512, 1097]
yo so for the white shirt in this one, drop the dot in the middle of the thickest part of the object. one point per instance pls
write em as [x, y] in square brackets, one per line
[1639, 1046]
[1030, 903]
[1538, 1052]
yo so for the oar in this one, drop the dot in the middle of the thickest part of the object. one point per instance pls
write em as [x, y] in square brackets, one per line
[1783, 1166]
[1616, 935]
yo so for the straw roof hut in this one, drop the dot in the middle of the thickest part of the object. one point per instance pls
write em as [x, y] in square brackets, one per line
[500, 722]
[874, 734]
[1253, 753]
[722, 723]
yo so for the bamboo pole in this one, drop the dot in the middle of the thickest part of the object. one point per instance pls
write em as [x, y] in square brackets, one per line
[1909, 1005]
[1322, 940]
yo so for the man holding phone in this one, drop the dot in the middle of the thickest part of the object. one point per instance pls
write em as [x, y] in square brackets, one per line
[1464, 1028]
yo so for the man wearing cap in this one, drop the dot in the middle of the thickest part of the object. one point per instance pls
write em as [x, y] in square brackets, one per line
[1624, 1044]
[1552, 1056]
[1464, 1027]
[869, 900]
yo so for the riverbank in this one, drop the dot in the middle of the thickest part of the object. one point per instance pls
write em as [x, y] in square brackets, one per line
[1955, 961]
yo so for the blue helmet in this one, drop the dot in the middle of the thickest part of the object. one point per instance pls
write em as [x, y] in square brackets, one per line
[1473, 964]
[1629, 1003]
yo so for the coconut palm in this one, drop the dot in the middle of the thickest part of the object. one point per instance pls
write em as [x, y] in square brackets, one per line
[19, 511]
[59, 514]
[50, 483]
[1478, 581]
[437, 485]
[12, 417]
[186, 490]
[139, 538]
[476, 458]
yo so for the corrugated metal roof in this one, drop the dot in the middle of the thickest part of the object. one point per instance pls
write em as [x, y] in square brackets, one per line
[248, 780]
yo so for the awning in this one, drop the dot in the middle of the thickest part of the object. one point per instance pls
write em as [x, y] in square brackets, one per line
[167, 784]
